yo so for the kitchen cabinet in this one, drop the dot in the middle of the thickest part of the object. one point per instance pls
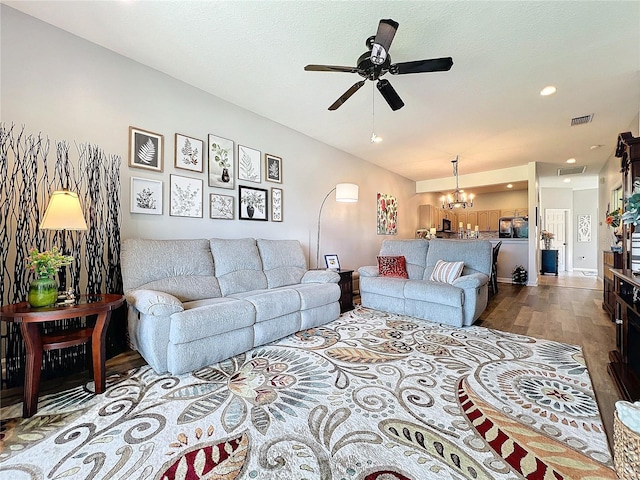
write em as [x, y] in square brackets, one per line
[462, 218]
[515, 212]
[428, 217]
[494, 220]
[472, 218]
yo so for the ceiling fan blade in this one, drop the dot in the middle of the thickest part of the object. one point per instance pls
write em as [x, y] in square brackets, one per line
[390, 95]
[387, 29]
[345, 96]
[421, 66]
[330, 68]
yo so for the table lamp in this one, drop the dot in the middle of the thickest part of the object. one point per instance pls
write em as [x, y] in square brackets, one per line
[63, 213]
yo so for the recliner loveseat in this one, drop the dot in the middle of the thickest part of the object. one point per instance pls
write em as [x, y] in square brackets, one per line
[196, 302]
[459, 303]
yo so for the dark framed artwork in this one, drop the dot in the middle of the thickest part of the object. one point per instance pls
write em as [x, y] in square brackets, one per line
[249, 164]
[185, 196]
[188, 153]
[146, 196]
[273, 168]
[221, 206]
[276, 204]
[221, 162]
[253, 203]
[332, 261]
[146, 149]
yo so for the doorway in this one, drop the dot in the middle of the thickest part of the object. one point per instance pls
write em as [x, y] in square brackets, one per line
[555, 220]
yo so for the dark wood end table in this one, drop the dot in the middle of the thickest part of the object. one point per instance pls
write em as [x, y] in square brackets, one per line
[346, 290]
[35, 342]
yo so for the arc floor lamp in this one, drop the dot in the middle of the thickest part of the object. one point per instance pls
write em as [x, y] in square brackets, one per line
[345, 192]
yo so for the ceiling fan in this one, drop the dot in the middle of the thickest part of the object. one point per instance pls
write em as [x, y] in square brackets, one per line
[377, 62]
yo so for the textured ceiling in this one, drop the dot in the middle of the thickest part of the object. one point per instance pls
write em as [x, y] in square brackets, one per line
[487, 108]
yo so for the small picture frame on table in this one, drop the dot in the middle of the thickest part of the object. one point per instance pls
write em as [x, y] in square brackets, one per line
[332, 261]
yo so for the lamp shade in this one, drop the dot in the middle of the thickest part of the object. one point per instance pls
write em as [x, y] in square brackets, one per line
[346, 192]
[63, 212]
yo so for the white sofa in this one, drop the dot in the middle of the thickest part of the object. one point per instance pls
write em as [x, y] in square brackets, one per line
[196, 302]
[458, 303]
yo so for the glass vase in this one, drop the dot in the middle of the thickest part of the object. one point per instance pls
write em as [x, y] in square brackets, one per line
[547, 244]
[43, 291]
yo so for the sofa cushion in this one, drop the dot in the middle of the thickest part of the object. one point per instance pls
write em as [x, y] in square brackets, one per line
[414, 252]
[446, 272]
[283, 261]
[152, 302]
[208, 318]
[238, 266]
[387, 286]
[434, 292]
[392, 266]
[182, 268]
[476, 255]
[271, 303]
[317, 294]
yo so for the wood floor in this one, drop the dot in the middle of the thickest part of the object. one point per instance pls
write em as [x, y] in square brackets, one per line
[567, 308]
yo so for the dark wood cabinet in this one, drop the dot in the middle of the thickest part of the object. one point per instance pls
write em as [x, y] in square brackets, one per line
[609, 260]
[624, 365]
[549, 262]
[346, 290]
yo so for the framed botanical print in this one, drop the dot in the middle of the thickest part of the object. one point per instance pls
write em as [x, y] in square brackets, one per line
[146, 149]
[221, 206]
[273, 168]
[221, 162]
[276, 204]
[189, 154]
[146, 196]
[249, 164]
[185, 196]
[253, 203]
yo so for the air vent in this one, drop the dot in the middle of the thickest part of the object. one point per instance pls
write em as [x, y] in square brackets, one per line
[572, 170]
[581, 120]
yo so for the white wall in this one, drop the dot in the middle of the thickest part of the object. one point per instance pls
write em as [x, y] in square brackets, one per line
[69, 89]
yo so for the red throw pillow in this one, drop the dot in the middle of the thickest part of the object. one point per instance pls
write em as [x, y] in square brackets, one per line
[393, 267]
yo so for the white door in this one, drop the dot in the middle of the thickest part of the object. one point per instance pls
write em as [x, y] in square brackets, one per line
[556, 223]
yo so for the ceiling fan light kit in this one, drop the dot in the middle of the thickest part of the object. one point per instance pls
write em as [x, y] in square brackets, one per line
[376, 62]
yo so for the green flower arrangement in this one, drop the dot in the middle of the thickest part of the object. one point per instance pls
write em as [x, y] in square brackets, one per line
[45, 264]
[631, 215]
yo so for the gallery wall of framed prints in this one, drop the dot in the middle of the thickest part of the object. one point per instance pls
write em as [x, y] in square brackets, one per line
[225, 164]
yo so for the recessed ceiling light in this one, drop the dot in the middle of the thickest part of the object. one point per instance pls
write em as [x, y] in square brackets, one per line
[593, 147]
[548, 90]
[571, 160]
[510, 186]
[567, 180]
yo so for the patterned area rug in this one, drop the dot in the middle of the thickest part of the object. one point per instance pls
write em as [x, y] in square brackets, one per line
[371, 396]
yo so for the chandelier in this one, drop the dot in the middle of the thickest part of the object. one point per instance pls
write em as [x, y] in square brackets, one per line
[457, 198]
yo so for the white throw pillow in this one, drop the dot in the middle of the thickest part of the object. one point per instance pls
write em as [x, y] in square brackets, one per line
[446, 272]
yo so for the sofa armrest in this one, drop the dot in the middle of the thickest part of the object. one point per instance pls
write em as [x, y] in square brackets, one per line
[473, 280]
[153, 302]
[368, 271]
[320, 276]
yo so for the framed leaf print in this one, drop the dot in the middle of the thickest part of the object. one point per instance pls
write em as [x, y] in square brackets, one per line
[253, 203]
[272, 168]
[189, 153]
[185, 196]
[221, 206]
[146, 149]
[221, 162]
[146, 196]
[249, 164]
[276, 204]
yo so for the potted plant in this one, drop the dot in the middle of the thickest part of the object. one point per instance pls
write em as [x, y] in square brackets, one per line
[43, 290]
[546, 238]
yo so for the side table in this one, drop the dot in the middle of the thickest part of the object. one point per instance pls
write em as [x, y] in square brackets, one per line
[35, 342]
[346, 290]
[549, 262]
